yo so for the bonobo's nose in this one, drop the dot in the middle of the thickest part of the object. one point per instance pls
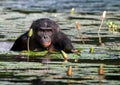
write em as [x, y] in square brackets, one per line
[46, 36]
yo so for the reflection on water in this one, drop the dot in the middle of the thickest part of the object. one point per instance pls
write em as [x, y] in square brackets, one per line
[62, 5]
[5, 46]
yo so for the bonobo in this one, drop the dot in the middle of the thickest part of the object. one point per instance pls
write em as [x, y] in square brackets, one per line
[46, 36]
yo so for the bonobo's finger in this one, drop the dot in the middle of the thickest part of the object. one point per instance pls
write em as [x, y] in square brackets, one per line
[74, 51]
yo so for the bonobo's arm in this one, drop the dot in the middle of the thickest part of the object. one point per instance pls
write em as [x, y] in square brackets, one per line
[62, 42]
[21, 44]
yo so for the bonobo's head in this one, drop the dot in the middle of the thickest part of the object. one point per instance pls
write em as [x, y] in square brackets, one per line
[43, 29]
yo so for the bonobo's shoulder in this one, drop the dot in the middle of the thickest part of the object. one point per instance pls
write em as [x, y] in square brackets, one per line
[61, 36]
[23, 36]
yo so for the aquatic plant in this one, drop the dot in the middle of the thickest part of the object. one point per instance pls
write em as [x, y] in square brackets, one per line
[112, 26]
[69, 71]
[103, 17]
[91, 50]
[78, 30]
[101, 71]
[65, 56]
[28, 42]
[72, 11]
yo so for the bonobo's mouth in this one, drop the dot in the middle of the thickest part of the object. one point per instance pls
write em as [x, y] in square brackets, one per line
[46, 44]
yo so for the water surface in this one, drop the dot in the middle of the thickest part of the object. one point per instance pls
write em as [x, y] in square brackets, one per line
[16, 17]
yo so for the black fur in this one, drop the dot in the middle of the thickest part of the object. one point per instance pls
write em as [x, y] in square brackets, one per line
[59, 41]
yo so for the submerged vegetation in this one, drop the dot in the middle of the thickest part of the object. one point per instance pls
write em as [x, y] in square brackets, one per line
[112, 26]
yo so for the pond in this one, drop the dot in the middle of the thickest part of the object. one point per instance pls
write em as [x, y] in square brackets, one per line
[16, 17]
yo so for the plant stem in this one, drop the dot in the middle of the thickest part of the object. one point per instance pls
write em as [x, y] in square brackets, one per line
[28, 48]
[100, 40]
[81, 37]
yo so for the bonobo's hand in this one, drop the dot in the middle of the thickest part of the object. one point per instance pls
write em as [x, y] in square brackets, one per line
[74, 51]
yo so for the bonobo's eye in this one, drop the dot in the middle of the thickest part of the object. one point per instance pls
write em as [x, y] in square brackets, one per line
[46, 32]
[40, 32]
[49, 32]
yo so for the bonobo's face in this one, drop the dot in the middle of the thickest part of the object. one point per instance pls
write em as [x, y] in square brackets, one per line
[43, 29]
[45, 37]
